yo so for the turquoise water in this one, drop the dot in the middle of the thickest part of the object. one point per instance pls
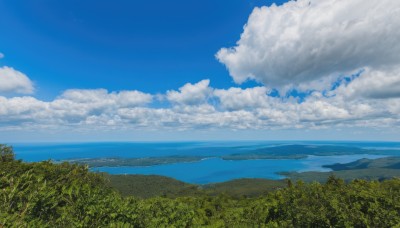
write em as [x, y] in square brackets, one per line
[212, 169]
[218, 170]
[55, 151]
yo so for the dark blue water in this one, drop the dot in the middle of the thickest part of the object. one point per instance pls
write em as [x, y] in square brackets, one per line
[208, 170]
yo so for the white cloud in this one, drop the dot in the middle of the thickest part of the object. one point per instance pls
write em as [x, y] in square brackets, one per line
[374, 84]
[133, 98]
[93, 96]
[303, 41]
[236, 109]
[22, 109]
[237, 98]
[76, 105]
[190, 94]
[14, 81]
[1, 55]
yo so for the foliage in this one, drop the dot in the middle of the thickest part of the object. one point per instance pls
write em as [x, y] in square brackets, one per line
[115, 162]
[386, 162]
[6, 153]
[302, 151]
[347, 175]
[63, 195]
[245, 187]
[147, 186]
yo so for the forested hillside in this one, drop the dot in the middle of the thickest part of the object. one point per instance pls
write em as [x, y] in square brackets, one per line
[64, 195]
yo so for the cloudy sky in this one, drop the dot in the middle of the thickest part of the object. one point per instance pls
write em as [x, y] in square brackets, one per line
[199, 70]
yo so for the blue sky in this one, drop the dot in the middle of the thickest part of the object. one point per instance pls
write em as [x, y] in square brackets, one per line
[151, 46]
[199, 70]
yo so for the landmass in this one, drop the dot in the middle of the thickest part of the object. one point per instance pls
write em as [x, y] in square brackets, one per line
[302, 151]
[276, 152]
[369, 169]
[147, 186]
[118, 161]
[387, 162]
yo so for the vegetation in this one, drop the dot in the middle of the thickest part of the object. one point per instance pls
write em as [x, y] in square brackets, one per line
[68, 195]
[369, 169]
[147, 186]
[302, 151]
[246, 188]
[115, 162]
[383, 163]
[6, 153]
[346, 175]
[276, 152]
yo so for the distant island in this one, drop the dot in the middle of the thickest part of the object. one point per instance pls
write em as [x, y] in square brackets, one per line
[370, 169]
[276, 152]
[302, 151]
[149, 161]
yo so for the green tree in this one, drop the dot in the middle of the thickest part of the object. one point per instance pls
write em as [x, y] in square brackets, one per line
[6, 153]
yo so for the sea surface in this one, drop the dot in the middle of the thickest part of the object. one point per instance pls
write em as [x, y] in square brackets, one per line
[209, 170]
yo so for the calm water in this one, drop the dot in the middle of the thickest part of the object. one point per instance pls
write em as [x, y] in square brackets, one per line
[205, 171]
[218, 170]
[40, 152]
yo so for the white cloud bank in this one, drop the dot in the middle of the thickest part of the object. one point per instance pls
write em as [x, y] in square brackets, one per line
[14, 81]
[315, 41]
[232, 108]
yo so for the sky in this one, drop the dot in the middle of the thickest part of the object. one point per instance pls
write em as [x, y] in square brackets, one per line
[199, 70]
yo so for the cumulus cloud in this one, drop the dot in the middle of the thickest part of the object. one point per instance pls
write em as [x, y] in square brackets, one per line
[22, 110]
[190, 94]
[14, 81]
[237, 98]
[374, 84]
[236, 108]
[305, 41]
[73, 107]
[76, 105]
[343, 53]
[102, 96]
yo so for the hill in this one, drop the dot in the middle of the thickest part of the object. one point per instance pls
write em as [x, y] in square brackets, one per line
[147, 186]
[369, 169]
[383, 163]
[302, 151]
